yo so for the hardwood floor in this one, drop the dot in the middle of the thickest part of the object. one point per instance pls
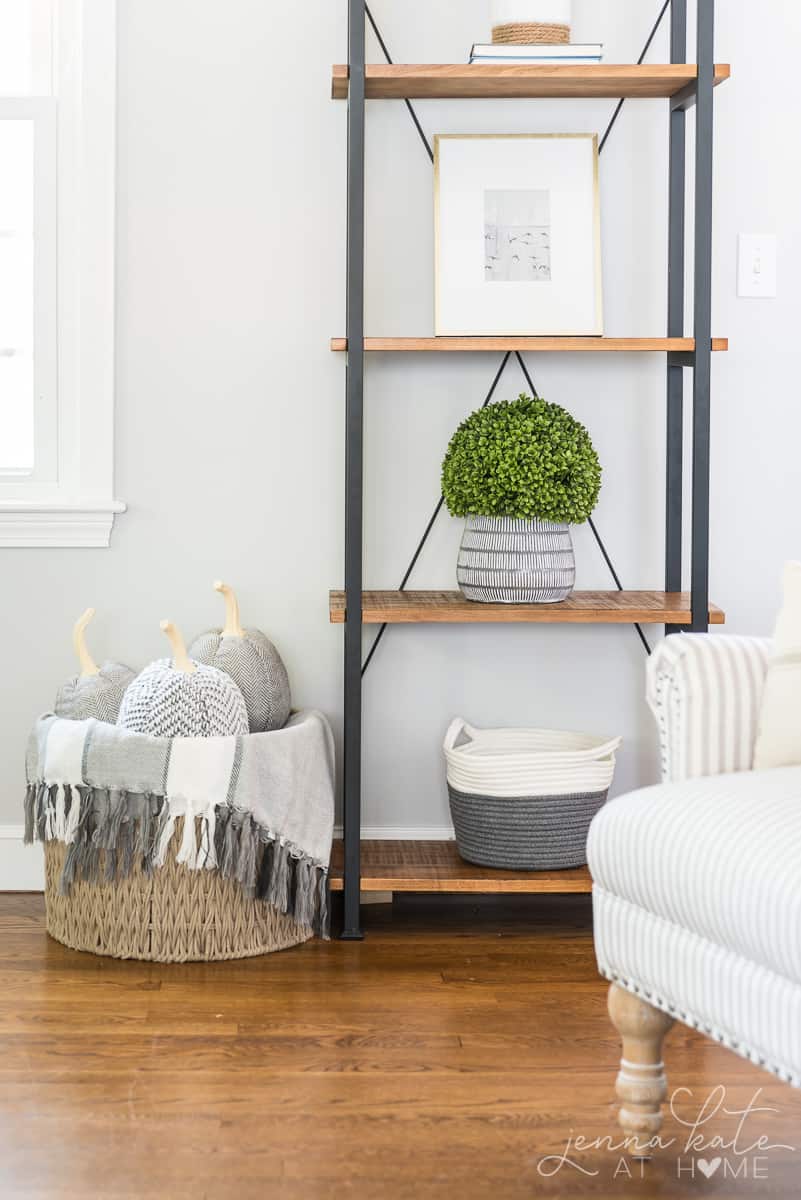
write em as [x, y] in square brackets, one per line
[443, 1057]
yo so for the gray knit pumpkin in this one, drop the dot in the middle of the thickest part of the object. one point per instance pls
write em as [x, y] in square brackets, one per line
[98, 691]
[98, 696]
[252, 662]
[176, 697]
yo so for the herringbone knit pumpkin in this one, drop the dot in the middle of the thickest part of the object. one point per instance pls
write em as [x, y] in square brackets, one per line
[180, 698]
[252, 661]
[98, 691]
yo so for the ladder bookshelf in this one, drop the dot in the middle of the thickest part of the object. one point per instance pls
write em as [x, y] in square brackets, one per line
[436, 866]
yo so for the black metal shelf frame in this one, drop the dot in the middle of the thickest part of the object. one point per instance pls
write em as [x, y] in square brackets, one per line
[700, 95]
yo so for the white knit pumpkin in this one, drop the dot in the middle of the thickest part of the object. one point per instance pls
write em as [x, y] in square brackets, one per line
[180, 698]
[97, 691]
[252, 661]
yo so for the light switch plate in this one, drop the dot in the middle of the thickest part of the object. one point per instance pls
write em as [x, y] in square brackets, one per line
[757, 265]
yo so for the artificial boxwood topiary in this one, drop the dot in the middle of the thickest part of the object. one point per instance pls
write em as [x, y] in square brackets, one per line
[522, 458]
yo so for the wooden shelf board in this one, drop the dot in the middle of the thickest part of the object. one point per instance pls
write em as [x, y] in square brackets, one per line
[546, 345]
[462, 81]
[437, 867]
[582, 608]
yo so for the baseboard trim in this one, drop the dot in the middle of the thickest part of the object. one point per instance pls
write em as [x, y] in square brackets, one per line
[21, 867]
[403, 833]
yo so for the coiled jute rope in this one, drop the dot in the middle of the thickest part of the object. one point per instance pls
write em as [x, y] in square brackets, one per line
[530, 33]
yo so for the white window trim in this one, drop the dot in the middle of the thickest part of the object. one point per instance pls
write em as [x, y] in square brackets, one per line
[40, 111]
[79, 508]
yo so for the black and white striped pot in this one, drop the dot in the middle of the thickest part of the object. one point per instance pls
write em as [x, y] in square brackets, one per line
[506, 561]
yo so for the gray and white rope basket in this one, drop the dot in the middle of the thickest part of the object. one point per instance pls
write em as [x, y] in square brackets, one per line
[523, 799]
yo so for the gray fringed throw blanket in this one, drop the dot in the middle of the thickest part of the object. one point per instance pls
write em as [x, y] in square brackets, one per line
[97, 787]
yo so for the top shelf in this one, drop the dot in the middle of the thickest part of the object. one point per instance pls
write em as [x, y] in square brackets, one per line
[464, 82]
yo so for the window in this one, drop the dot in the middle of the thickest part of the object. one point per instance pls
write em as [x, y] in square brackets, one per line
[28, 279]
[57, 181]
[16, 296]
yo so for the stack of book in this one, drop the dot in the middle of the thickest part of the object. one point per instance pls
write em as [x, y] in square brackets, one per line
[542, 54]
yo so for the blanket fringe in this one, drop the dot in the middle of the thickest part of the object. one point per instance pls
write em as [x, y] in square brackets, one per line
[30, 803]
[73, 814]
[132, 829]
[187, 853]
[60, 818]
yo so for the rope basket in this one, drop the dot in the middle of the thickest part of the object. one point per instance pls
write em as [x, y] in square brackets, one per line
[525, 833]
[524, 799]
[530, 33]
[171, 915]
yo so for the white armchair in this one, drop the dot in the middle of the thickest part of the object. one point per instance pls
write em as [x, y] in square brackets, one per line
[697, 881]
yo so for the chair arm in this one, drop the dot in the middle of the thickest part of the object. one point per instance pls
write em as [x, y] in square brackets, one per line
[705, 691]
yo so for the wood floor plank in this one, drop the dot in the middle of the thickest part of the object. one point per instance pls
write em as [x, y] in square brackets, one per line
[442, 1057]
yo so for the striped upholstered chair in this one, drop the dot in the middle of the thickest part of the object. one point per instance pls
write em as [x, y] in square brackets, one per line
[697, 882]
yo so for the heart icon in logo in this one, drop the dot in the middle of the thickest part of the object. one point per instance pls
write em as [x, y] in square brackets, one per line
[709, 1168]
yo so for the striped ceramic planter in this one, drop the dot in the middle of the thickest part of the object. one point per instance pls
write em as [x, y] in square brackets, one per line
[506, 561]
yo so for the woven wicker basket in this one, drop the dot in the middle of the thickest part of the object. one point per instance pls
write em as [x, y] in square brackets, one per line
[173, 915]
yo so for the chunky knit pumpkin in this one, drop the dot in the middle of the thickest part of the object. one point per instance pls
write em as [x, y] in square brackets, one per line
[97, 692]
[176, 697]
[252, 661]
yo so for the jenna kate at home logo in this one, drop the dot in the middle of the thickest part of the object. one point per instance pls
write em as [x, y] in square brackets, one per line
[742, 1152]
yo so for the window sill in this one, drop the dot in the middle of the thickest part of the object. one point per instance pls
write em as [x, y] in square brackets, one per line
[57, 524]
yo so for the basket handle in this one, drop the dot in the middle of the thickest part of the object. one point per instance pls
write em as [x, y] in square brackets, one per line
[608, 749]
[457, 727]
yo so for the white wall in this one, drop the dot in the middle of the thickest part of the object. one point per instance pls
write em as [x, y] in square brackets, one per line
[230, 407]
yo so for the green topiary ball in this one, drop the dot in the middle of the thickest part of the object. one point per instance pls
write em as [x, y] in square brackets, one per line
[522, 458]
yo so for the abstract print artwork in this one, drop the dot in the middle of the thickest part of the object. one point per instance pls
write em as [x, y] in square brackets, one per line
[517, 236]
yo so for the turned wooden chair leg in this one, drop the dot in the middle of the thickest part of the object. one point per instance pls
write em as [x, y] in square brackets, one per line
[641, 1084]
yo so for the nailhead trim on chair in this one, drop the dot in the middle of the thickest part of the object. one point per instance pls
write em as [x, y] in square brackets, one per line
[719, 1036]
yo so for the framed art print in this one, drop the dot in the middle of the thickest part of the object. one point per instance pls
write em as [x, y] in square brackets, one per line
[518, 235]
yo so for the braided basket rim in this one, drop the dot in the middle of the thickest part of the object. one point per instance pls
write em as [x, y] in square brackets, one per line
[531, 33]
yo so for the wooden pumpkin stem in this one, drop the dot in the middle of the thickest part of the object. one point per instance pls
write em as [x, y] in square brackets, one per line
[180, 659]
[88, 664]
[233, 626]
